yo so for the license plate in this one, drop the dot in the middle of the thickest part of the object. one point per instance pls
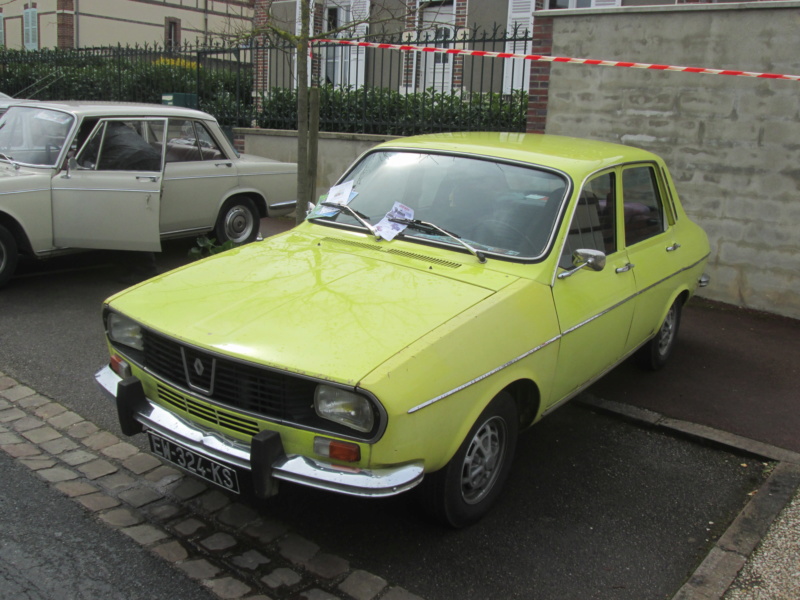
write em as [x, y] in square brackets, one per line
[195, 463]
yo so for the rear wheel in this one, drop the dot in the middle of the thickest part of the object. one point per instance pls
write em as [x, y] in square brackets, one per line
[238, 221]
[9, 255]
[655, 353]
[467, 487]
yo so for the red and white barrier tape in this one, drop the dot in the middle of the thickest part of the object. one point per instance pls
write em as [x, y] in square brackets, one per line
[560, 59]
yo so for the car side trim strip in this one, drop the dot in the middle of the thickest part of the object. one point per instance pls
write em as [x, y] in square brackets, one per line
[485, 375]
[550, 341]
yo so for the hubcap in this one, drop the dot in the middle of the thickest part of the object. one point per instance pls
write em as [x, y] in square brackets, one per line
[238, 224]
[667, 332]
[483, 461]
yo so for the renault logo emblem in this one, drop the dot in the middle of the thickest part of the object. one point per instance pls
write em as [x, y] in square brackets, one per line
[198, 367]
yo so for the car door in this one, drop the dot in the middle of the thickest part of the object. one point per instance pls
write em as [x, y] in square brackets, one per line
[649, 237]
[197, 177]
[110, 197]
[594, 308]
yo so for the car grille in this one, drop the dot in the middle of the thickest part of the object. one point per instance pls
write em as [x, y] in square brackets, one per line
[229, 383]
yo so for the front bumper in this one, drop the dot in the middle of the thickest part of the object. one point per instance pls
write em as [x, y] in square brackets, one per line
[137, 411]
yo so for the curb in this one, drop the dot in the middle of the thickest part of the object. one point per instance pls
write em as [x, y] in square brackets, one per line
[222, 544]
[718, 571]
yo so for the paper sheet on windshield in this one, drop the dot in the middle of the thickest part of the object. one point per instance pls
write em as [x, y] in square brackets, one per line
[338, 194]
[387, 229]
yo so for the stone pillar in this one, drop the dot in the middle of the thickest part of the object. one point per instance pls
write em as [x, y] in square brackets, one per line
[540, 71]
[261, 17]
[65, 24]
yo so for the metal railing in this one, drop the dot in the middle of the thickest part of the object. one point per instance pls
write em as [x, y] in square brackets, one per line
[363, 90]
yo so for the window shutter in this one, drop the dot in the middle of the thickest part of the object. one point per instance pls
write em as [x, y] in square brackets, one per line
[2, 32]
[516, 72]
[30, 25]
[359, 11]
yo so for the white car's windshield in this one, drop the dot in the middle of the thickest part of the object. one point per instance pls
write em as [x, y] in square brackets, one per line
[33, 136]
[495, 207]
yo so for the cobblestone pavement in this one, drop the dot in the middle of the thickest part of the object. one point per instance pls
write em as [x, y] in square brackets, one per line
[224, 545]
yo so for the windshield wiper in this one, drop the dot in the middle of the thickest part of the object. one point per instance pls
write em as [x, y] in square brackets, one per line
[431, 228]
[361, 218]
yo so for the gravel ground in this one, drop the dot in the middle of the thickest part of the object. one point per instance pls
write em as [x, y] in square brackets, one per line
[773, 570]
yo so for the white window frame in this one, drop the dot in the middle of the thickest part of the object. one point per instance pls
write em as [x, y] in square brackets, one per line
[346, 63]
[30, 28]
[595, 4]
[440, 77]
[517, 71]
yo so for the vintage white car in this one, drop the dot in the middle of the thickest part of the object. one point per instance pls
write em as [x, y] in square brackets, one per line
[124, 177]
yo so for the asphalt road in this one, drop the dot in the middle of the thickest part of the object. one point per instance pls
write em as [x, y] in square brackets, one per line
[51, 549]
[596, 507]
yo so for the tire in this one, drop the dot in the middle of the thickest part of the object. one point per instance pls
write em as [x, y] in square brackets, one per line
[464, 490]
[238, 221]
[655, 353]
[9, 255]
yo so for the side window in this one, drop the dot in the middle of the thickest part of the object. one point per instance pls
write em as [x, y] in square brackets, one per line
[644, 210]
[123, 146]
[593, 224]
[208, 147]
[190, 141]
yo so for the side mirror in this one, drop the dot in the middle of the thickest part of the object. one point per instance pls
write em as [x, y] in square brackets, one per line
[72, 164]
[585, 257]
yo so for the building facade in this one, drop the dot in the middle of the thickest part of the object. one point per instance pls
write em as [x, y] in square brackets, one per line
[39, 24]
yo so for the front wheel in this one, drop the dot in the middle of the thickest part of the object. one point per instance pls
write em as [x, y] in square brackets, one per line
[654, 354]
[238, 222]
[9, 255]
[467, 487]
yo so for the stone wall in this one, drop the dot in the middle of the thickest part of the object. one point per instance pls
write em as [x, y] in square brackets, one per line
[732, 143]
[337, 151]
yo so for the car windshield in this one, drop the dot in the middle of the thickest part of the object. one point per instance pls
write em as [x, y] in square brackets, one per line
[494, 207]
[33, 136]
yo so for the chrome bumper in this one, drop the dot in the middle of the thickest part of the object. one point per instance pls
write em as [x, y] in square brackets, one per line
[295, 468]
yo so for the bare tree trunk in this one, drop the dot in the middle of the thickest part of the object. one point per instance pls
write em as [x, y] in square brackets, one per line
[313, 141]
[303, 188]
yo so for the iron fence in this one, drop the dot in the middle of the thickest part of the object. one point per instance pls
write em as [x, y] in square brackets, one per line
[363, 90]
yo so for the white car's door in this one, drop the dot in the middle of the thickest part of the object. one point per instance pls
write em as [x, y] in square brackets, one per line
[197, 177]
[111, 198]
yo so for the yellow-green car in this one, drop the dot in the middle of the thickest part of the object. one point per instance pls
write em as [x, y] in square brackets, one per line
[448, 292]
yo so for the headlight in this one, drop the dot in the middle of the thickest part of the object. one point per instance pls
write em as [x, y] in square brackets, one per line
[123, 331]
[343, 407]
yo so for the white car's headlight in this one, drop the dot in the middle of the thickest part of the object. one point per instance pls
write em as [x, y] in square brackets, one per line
[121, 330]
[343, 407]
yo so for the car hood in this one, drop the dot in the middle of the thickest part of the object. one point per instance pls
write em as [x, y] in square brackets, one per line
[327, 307]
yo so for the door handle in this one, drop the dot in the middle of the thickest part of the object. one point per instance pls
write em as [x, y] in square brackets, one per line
[223, 164]
[152, 178]
[624, 269]
[674, 247]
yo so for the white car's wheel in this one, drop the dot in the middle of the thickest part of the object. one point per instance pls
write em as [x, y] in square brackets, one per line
[9, 255]
[238, 221]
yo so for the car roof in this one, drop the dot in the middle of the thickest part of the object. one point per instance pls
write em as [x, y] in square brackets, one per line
[117, 109]
[570, 154]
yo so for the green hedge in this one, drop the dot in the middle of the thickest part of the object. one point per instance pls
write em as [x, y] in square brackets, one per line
[144, 74]
[387, 112]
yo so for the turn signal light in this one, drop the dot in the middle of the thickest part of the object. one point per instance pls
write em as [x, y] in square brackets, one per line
[337, 450]
[120, 367]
